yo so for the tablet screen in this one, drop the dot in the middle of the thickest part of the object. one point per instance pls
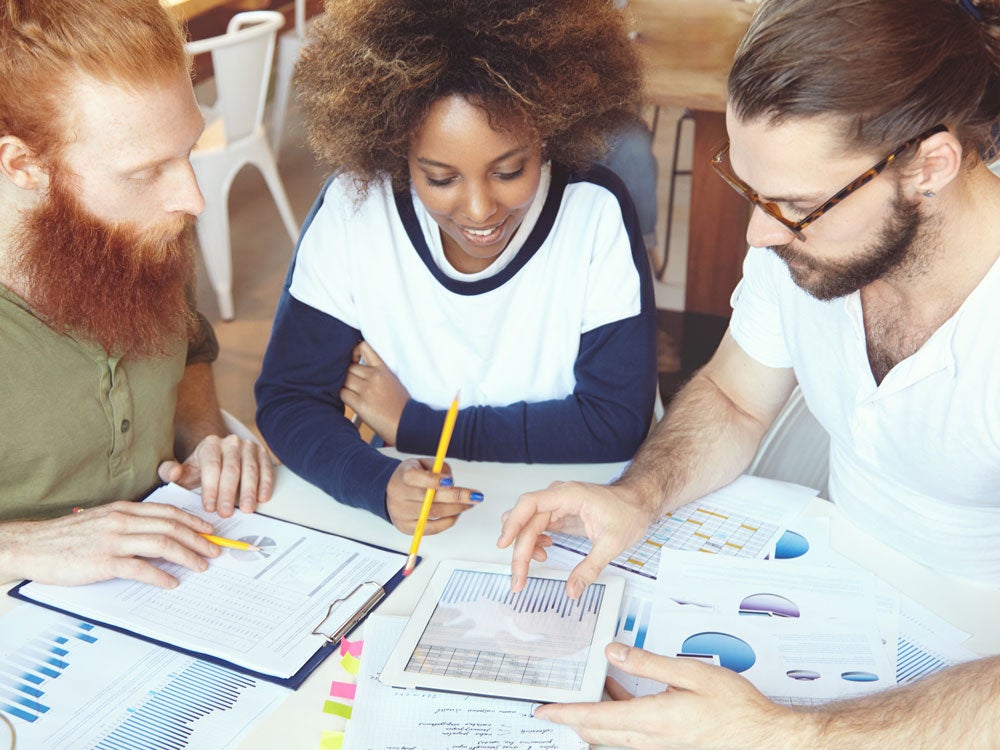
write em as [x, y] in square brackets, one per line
[471, 634]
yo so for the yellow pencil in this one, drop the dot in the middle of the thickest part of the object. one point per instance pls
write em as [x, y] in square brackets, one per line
[231, 543]
[425, 509]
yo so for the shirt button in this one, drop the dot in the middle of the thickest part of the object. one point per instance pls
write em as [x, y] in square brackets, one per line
[126, 426]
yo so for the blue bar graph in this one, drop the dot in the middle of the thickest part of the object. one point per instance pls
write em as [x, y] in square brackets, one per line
[25, 671]
[170, 713]
[68, 684]
[913, 662]
[634, 622]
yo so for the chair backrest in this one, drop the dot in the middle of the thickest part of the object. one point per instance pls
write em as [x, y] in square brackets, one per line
[300, 18]
[796, 448]
[242, 61]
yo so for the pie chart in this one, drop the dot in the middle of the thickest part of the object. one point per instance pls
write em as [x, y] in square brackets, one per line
[790, 545]
[859, 676]
[803, 675]
[768, 605]
[734, 653]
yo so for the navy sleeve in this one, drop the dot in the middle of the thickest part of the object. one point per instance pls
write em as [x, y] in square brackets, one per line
[607, 416]
[301, 416]
[605, 419]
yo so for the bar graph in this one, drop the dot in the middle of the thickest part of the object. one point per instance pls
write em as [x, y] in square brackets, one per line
[633, 622]
[483, 631]
[24, 673]
[914, 662]
[171, 712]
[68, 684]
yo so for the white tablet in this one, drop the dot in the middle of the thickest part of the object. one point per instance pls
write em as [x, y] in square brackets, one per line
[470, 634]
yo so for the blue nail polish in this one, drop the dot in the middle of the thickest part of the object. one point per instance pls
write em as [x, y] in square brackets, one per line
[446, 482]
[477, 497]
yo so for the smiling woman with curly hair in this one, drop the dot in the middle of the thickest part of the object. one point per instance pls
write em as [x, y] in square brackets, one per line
[466, 242]
[374, 68]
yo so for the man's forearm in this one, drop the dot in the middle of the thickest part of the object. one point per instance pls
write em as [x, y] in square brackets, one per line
[702, 444]
[956, 708]
[197, 414]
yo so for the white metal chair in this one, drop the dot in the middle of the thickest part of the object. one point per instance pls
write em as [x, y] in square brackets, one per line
[289, 46]
[234, 136]
[796, 448]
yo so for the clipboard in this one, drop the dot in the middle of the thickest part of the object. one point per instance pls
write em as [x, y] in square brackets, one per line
[338, 618]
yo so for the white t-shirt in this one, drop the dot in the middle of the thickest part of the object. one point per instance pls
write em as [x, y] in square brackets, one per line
[358, 264]
[915, 461]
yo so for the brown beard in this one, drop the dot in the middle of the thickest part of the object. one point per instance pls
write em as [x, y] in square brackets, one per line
[108, 284]
[893, 249]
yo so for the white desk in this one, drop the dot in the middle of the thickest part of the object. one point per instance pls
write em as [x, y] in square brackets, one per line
[299, 721]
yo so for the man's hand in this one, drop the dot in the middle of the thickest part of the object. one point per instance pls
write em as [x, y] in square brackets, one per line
[109, 541]
[374, 393]
[405, 497]
[225, 468]
[611, 517]
[703, 707]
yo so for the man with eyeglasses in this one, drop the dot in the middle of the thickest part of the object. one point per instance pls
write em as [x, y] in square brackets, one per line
[861, 134]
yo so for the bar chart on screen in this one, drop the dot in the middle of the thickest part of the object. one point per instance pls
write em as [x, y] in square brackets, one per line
[69, 684]
[483, 631]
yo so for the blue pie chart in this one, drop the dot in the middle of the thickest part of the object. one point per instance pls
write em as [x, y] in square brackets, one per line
[790, 545]
[734, 653]
[859, 676]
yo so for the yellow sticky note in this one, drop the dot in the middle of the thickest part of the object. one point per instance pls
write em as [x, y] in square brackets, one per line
[350, 663]
[331, 740]
[337, 709]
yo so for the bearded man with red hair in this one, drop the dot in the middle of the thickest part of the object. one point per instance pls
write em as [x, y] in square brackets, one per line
[105, 366]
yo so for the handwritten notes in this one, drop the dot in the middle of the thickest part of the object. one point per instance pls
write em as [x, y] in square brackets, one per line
[445, 721]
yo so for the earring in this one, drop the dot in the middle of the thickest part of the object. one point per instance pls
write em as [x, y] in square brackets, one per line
[928, 194]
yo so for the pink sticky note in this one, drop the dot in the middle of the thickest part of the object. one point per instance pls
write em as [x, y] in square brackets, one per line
[350, 647]
[343, 690]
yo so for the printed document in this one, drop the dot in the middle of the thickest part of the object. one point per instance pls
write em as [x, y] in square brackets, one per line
[255, 609]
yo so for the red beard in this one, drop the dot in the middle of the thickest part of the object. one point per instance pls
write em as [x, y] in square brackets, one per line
[109, 284]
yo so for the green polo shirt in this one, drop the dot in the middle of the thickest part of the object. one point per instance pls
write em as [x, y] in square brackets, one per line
[80, 427]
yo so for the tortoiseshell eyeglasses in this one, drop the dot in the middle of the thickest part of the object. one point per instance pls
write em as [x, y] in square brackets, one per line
[720, 160]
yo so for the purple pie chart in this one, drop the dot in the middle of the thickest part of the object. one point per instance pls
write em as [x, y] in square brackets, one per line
[768, 605]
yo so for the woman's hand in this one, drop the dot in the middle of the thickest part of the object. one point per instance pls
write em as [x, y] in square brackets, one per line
[405, 497]
[374, 393]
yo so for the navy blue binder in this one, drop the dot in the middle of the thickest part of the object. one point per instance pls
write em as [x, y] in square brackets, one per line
[327, 642]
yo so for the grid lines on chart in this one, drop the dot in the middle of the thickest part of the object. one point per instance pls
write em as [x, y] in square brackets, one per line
[701, 527]
[482, 630]
[494, 666]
